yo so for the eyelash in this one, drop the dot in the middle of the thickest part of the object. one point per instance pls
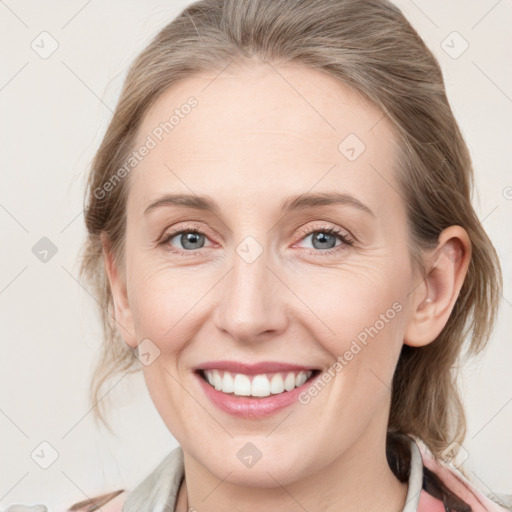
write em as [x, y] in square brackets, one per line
[345, 239]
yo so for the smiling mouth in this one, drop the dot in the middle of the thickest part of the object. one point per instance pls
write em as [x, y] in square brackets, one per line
[258, 386]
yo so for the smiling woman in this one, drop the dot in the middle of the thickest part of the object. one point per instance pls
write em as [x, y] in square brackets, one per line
[295, 260]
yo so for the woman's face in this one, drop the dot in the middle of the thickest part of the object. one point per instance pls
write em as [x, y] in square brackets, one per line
[265, 281]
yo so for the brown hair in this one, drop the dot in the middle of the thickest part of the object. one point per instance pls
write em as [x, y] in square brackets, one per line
[370, 46]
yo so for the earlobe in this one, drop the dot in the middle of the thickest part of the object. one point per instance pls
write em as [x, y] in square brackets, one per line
[121, 307]
[434, 300]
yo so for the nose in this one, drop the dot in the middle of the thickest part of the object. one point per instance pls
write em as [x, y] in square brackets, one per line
[252, 305]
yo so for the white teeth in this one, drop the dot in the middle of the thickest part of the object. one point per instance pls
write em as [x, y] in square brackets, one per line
[300, 379]
[217, 380]
[261, 385]
[277, 384]
[242, 385]
[228, 384]
[289, 382]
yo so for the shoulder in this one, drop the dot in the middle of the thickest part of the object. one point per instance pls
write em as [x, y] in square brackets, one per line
[156, 491]
[453, 479]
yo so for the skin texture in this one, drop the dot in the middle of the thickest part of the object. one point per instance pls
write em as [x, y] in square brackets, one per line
[258, 136]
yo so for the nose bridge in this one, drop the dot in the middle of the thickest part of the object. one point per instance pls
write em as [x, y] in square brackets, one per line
[250, 302]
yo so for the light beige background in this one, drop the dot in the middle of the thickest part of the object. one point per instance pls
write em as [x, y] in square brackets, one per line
[53, 114]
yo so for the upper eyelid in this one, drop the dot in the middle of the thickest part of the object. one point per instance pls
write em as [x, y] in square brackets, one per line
[170, 234]
[305, 231]
[326, 227]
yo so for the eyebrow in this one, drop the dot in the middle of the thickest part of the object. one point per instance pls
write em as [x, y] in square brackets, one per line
[300, 202]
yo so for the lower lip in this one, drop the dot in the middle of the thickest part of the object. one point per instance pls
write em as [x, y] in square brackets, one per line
[256, 407]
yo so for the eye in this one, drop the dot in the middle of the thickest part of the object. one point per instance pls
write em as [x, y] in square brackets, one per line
[185, 240]
[325, 239]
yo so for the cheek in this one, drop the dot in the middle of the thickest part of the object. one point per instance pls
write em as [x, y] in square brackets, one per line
[165, 302]
[357, 302]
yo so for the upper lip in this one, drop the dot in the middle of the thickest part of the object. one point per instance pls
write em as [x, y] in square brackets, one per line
[252, 368]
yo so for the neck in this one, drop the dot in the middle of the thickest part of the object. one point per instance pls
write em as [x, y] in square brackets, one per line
[360, 479]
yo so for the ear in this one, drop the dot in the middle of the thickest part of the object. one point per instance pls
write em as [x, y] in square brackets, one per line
[434, 299]
[122, 311]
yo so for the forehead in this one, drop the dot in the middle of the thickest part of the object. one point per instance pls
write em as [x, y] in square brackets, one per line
[265, 129]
